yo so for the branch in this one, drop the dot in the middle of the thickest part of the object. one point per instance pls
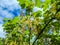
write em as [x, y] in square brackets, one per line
[42, 30]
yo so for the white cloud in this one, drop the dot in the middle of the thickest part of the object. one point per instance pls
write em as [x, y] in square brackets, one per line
[1, 18]
[9, 8]
[6, 14]
[2, 33]
[9, 4]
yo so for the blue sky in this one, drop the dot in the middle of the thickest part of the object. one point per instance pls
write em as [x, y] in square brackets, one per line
[8, 9]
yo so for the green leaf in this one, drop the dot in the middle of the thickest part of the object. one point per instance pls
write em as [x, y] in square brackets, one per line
[26, 32]
[37, 3]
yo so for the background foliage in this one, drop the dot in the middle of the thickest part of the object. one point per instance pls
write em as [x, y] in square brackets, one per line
[34, 28]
